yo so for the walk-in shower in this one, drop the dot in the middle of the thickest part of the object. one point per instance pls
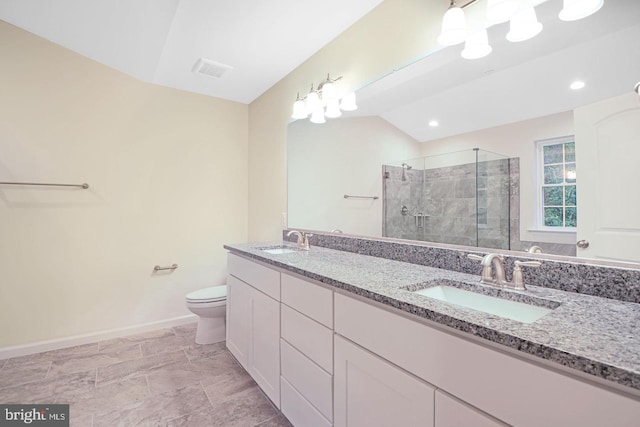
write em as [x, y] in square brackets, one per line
[457, 198]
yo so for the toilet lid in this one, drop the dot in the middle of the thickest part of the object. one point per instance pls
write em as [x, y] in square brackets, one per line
[215, 293]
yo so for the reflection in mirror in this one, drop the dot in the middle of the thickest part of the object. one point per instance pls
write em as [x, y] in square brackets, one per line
[514, 102]
[457, 198]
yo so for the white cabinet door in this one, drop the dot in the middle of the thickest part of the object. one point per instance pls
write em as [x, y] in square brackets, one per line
[264, 359]
[369, 391]
[453, 413]
[238, 319]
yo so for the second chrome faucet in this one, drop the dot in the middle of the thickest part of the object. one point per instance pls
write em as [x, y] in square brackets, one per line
[494, 274]
[303, 239]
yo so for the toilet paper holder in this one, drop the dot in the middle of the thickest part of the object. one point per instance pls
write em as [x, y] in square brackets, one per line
[172, 267]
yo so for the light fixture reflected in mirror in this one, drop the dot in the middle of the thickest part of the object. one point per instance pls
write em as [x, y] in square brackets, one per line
[524, 25]
[454, 27]
[572, 10]
[477, 45]
[323, 102]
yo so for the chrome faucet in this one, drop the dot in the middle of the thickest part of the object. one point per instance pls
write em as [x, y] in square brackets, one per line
[303, 239]
[517, 282]
[493, 272]
[535, 250]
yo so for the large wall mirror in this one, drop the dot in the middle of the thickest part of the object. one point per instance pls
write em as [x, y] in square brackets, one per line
[518, 159]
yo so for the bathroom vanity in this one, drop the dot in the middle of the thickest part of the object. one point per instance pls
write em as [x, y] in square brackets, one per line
[339, 338]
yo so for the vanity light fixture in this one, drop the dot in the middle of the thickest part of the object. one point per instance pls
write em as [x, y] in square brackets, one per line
[577, 85]
[524, 25]
[477, 45]
[323, 102]
[637, 88]
[454, 27]
[572, 10]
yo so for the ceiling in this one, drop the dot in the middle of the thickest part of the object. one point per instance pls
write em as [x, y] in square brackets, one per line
[159, 41]
[517, 81]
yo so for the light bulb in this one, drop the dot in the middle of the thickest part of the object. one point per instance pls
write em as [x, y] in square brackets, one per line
[572, 10]
[329, 92]
[333, 109]
[453, 26]
[524, 25]
[476, 45]
[348, 103]
[318, 116]
[299, 109]
[312, 102]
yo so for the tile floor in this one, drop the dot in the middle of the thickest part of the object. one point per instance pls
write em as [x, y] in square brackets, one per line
[160, 378]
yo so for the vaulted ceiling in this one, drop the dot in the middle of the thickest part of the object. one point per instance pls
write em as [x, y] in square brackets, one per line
[160, 41]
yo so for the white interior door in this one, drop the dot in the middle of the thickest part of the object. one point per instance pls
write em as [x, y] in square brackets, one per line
[608, 175]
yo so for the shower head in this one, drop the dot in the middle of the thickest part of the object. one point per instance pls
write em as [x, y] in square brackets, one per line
[406, 166]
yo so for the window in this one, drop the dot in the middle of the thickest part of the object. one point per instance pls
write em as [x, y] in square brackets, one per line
[557, 183]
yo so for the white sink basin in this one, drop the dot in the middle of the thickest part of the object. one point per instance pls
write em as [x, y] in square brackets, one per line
[278, 250]
[514, 310]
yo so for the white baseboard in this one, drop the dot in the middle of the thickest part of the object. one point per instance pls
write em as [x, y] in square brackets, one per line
[40, 346]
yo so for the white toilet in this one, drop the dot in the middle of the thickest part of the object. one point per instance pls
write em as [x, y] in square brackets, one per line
[209, 304]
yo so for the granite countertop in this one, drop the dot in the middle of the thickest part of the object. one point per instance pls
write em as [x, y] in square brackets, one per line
[598, 336]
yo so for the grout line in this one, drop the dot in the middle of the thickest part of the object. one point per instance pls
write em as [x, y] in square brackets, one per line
[146, 378]
[48, 370]
[206, 394]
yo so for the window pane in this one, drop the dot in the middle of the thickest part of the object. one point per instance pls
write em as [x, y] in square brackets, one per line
[570, 195]
[570, 152]
[552, 153]
[570, 171]
[553, 174]
[553, 217]
[570, 217]
[552, 196]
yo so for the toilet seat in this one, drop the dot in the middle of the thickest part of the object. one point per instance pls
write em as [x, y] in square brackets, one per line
[206, 295]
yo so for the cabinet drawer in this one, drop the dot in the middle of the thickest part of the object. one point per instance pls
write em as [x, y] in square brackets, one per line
[308, 298]
[260, 277]
[504, 386]
[309, 379]
[308, 336]
[453, 413]
[297, 410]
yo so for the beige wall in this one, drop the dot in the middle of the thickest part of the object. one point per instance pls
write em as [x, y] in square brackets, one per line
[168, 175]
[515, 140]
[394, 33]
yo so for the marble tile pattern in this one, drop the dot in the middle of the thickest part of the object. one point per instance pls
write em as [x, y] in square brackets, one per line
[594, 335]
[619, 283]
[159, 378]
[466, 204]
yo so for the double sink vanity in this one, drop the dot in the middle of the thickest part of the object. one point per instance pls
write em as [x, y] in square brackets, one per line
[338, 337]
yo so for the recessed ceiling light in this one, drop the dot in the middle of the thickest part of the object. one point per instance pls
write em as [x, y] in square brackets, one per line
[577, 85]
[434, 123]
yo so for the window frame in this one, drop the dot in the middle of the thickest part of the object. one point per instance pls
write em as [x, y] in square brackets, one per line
[540, 185]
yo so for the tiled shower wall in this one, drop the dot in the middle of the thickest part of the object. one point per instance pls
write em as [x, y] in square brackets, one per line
[441, 204]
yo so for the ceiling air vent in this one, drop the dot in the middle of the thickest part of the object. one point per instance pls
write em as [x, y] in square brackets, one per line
[210, 68]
